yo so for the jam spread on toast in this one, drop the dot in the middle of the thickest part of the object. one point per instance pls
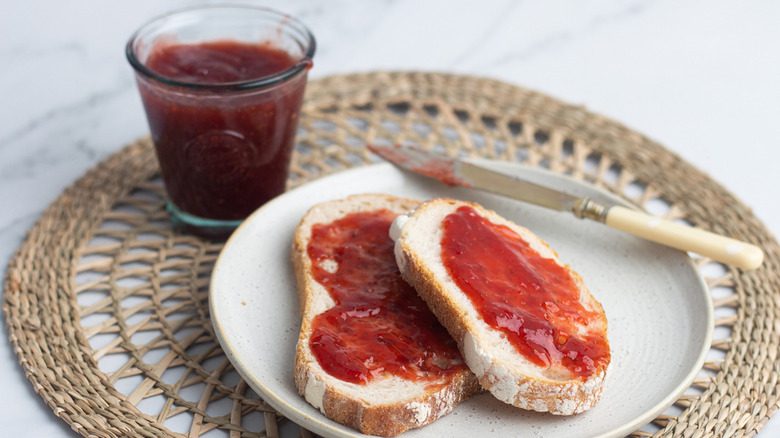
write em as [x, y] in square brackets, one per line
[533, 300]
[379, 325]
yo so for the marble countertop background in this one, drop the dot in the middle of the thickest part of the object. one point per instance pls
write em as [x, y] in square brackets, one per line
[700, 77]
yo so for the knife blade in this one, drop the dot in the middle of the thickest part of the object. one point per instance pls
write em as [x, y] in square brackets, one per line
[462, 172]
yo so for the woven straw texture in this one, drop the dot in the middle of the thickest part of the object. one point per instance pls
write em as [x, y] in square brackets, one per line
[106, 305]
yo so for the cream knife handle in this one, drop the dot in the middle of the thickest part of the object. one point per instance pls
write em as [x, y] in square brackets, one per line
[723, 249]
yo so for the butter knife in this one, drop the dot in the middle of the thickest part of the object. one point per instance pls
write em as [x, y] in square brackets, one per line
[457, 172]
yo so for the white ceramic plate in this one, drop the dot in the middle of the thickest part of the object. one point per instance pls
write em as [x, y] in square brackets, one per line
[657, 305]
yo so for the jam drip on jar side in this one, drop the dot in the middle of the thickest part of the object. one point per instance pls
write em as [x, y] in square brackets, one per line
[532, 299]
[379, 325]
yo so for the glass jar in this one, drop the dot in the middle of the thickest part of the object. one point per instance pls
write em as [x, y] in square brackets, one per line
[222, 88]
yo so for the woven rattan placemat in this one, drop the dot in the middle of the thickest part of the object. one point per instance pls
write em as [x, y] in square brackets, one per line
[106, 306]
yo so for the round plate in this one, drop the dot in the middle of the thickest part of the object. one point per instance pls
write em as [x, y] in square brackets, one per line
[657, 305]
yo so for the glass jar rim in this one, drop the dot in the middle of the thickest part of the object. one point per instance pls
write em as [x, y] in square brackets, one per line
[303, 63]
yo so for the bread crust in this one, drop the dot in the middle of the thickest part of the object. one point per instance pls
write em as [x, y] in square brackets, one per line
[499, 367]
[384, 407]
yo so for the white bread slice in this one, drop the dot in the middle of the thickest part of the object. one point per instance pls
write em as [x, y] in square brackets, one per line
[389, 404]
[500, 367]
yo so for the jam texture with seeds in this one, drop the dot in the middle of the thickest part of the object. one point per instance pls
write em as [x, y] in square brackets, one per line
[379, 325]
[531, 299]
[222, 155]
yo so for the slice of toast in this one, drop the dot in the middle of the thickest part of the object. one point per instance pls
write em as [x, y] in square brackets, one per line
[539, 342]
[379, 376]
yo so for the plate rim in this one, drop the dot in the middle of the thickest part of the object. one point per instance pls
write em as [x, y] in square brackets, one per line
[321, 424]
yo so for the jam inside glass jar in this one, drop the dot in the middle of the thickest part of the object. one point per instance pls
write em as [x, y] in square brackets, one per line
[222, 88]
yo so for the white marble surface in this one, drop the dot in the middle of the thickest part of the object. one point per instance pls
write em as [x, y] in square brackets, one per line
[701, 77]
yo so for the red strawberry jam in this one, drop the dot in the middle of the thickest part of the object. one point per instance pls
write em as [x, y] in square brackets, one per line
[379, 325]
[533, 300]
[223, 151]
